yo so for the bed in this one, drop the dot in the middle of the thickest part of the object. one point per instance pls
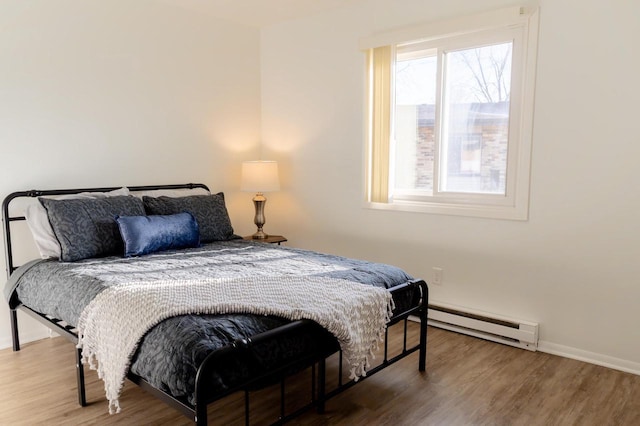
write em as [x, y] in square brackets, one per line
[189, 358]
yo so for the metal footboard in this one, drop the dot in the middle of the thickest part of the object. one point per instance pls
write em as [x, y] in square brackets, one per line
[319, 395]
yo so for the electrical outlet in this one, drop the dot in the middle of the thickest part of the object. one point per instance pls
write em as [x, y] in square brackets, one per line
[437, 275]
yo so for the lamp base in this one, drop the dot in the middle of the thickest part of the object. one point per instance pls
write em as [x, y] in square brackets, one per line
[260, 235]
[259, 201]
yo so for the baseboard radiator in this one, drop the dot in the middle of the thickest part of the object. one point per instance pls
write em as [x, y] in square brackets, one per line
[521, 334]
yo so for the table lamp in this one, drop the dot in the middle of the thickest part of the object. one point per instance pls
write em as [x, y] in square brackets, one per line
[259, 177]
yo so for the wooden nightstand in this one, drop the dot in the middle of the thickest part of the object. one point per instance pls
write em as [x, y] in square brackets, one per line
[272, 239]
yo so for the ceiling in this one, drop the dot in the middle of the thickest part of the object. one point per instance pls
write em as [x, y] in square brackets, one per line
[258, 13]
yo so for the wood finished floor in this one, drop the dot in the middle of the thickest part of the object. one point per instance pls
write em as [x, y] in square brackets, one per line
[468, 382]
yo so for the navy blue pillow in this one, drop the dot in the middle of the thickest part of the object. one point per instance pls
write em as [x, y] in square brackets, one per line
[149, 234]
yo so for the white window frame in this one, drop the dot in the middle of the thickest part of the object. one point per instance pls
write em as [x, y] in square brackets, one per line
[515, 24]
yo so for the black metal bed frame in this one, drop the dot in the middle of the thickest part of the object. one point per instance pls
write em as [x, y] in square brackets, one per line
[203, 394]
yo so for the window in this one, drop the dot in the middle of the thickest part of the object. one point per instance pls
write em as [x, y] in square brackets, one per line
[450, 116]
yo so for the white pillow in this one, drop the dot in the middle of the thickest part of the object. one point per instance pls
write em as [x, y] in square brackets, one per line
[174, 193]
[38, 221]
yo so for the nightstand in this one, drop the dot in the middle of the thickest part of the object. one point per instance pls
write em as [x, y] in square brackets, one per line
[272, 239]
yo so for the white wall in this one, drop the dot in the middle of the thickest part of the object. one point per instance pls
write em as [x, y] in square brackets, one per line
[573, 266]
[124, 92]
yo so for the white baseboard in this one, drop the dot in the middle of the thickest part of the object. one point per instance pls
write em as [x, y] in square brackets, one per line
[590, 357]
[582, 355]
[27, 337]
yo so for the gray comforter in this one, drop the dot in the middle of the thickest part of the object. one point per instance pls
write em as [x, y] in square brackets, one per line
[170, 353]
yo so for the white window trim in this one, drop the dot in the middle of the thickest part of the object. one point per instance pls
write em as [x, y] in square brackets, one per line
[517, 207]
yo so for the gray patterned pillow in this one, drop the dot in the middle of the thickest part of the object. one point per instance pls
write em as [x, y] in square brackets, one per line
[209, 210]
[86, 227]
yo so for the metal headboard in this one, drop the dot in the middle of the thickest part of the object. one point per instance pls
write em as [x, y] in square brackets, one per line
[7, 219]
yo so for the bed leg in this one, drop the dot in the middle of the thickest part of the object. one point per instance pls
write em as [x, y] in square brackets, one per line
[247, 408]
[423, 328]
[201, 415]
[322, 382]
[282, 397]
[423, 342]
[14, 330]
[82, 398]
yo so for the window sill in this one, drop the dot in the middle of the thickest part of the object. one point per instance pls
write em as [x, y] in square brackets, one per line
[469, 210]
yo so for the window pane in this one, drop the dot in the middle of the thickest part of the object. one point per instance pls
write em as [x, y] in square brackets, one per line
[414, 125]
[475, 116]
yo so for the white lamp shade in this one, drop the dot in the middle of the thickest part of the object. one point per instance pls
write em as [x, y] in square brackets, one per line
[260, 176]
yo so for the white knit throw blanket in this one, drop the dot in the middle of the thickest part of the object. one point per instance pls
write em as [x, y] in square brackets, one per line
[112, 324]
